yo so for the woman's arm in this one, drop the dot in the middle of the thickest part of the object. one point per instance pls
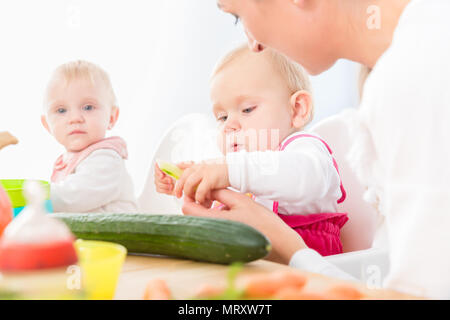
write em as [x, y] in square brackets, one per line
[287, 246]
[285, 241]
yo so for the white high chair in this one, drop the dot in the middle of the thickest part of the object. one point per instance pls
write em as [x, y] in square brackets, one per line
[193, 138]
[360, 258]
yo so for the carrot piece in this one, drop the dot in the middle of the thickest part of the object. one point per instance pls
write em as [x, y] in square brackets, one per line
[343, 292]
[208, 291]
[292, 293]
[157, 290]
[266, 285]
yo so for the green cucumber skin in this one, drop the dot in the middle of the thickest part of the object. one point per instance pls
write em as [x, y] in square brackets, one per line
[202, 239]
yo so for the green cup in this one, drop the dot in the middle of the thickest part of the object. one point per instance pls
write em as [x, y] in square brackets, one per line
[14, 189]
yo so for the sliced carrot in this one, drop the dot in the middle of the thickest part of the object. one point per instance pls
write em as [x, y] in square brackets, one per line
[343, 292]
[157, 290]
[292, 293]
[266, 285]
[208, 291]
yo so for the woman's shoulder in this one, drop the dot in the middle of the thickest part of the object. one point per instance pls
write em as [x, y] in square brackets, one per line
[424, 22]
[421, 33]
[421, 9]
[418, 58]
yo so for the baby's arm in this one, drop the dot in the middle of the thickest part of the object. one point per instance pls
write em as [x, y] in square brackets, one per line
[303, 171]
[95, 183]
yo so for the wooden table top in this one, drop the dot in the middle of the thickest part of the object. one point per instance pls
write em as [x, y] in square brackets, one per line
[184, 277]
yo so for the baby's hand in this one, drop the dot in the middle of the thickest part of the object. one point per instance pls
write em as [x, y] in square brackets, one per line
[198, 180]
[164, 183]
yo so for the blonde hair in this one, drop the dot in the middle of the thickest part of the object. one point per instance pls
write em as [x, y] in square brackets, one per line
[293, 73]
[81, 69]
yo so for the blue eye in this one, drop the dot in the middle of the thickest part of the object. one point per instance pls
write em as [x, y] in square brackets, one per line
[222, 118]
[61, 110]
[88, 107]
[248, 110]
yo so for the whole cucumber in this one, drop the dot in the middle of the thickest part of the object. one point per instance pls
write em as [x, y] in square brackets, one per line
[202, 239]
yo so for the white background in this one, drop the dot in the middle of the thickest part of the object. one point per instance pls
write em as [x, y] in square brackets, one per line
[159, 55]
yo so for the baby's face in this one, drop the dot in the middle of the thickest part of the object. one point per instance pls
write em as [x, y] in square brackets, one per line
[79, 113]
[251, 103]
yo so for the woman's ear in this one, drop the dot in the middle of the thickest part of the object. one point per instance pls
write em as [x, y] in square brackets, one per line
[301, 107]
[45, 123]
[113, 117]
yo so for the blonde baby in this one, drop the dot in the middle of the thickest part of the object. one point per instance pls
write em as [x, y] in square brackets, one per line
[79, 108]
[262, 103]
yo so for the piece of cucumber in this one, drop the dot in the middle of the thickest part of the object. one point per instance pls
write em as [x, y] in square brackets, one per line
[170, 169]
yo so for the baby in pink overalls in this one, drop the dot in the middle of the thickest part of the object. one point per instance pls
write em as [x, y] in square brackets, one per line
[262, 102]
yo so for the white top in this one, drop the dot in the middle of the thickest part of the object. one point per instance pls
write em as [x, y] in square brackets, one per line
[312, 261]
[302, 177]
[100, 183]
[402, 149]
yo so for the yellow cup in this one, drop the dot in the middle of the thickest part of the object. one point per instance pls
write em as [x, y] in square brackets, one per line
[101, 263]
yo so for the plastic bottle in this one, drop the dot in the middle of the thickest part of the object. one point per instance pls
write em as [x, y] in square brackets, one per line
[37, 255]
[6, 213]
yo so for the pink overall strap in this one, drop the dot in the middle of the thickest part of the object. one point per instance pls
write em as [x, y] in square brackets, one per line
[286, 143]
[63, 168]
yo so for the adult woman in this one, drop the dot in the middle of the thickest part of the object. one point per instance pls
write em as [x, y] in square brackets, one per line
[401, 149]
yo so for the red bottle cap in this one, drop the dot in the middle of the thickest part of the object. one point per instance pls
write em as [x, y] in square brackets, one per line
[27, 256]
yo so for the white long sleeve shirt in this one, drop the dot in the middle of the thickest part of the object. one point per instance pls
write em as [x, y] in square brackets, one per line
[403, 134]
[302, 177]
[100, 183]
[406, 110]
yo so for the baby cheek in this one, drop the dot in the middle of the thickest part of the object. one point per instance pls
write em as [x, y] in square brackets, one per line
[270, 137]
[99, 130]
[274, 139]
[57, 129]
[53, 122]
[99, 123]
[61, 137]
[221, 141]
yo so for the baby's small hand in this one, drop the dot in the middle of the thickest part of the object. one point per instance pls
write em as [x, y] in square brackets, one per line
[198, 180]
[164, 183]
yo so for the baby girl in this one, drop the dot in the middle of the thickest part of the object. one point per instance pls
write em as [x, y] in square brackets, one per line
[262, 102]
[79, 107]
